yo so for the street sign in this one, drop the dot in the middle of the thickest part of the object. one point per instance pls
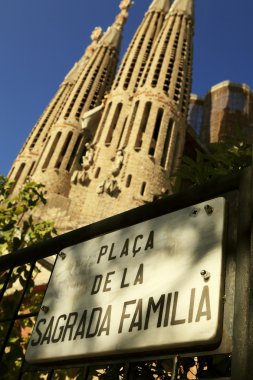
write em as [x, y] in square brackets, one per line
[156, 285]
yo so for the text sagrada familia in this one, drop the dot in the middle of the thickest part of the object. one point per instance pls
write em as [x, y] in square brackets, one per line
[109, 142]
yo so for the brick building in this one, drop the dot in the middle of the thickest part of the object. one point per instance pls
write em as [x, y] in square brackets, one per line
[225, 111]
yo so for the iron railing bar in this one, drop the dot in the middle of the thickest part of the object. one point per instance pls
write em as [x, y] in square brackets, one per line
[174, 369]
[50, 375]
[171, 203]
[126, 371]
[15, 314]
[22, 371]
[85, 373]
[6, 283]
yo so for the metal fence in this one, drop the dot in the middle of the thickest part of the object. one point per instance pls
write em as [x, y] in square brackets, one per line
[20, 304]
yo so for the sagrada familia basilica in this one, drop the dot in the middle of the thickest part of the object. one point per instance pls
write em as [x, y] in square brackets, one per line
[111, 139]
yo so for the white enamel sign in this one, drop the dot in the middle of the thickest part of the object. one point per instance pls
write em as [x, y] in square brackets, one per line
[152, 286]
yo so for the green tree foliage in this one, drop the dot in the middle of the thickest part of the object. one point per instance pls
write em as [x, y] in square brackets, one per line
[17, 227]
[222, 159]
[18, 230]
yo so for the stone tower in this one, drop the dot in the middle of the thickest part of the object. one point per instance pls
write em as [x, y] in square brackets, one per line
[57, 139]
[130, 145]
[141, 135]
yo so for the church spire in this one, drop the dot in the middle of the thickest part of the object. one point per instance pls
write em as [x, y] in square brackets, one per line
[113, 34]
[121, 18]
[67, 142]
[74, 73]
[160, 5]
[57, 139]
[185, 7]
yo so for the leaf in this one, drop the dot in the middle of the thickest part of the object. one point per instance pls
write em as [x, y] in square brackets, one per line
[17, 230]
[223, 159]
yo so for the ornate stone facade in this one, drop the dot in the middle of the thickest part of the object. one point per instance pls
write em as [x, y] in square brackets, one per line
[126, 152]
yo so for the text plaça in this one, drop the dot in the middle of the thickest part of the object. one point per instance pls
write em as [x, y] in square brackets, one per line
[136, 315]
[132, 246]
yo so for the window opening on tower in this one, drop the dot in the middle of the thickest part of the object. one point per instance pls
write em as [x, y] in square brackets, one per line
[18, 175]
[98, 170]
[130, 126]
[74, 152]
[165, 152]
[64, 150]
[31, 169]
[102, 123]
[51, 150]
[122, 132]
[128, 180]
[12, 170]
[19, 172]
[142, 128]
[155, 135]
[143, 188]
[113, 124]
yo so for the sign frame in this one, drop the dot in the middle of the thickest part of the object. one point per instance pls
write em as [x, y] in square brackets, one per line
[194, 213]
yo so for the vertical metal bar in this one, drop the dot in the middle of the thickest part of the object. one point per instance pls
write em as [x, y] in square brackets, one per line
[21, 372]
[126, 371]
[50, 375]
[5, 284]
[174, 369]
[130, 371]
[8, 334]
[242, 281]
[85, 373]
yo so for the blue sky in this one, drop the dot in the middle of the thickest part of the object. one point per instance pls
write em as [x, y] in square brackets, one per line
[41, 39]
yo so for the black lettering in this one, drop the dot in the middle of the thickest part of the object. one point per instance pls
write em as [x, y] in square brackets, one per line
[70, 325]
[150, 242]
[33, 342]
[205, 299]
[61, 328]
[97, 284]
[94, 311]
[105, 325]
[139, 276]
[108, 281]
[125, 248]
[137, 318]
[123, 284]
[135, 249]
[155, 306]
[47, 336]
[191, 307]
[102, 252]
[124, 315]
[111, 251]
[81, 327]
[167, 310]
[174, 312]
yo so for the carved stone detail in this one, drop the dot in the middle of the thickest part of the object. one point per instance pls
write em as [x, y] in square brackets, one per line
[118, 162]
[108, 186]
[82, 176]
